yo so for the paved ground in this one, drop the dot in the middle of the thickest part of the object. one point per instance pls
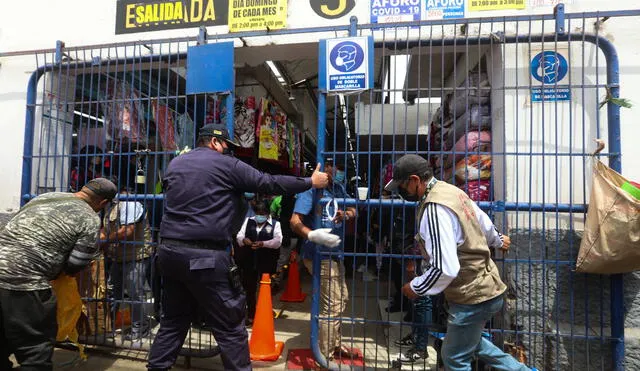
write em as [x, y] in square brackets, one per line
[367, 301]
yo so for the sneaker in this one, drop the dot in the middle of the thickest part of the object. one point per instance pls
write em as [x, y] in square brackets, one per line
[406, 341]
[138, 331]
[368, 277]
[413, 355]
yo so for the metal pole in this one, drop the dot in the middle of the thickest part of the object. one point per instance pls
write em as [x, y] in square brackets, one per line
[27, 157]
[613, 127]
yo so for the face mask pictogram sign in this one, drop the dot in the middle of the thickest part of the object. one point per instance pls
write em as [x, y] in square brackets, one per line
[346, 64]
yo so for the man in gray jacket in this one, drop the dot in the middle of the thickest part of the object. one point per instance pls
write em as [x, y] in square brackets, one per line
[54, 233]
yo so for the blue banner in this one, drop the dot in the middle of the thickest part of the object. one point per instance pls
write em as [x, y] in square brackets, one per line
[443, 9]
[389, 11]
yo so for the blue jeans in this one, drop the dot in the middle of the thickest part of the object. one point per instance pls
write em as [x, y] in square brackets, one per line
[464, 338]
[130, 277]
[422, 316]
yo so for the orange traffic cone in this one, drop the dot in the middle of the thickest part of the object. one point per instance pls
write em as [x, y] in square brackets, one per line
[263, 345]
[294, 291]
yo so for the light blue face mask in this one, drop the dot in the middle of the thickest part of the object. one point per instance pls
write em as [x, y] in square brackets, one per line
[249, 195]
[261, 219]
[339, 177]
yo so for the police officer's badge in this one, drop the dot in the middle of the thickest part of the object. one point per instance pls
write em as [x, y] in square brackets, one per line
[268, 229]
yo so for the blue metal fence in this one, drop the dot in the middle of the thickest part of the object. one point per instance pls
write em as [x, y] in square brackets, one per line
[562, 340]
[555, 317]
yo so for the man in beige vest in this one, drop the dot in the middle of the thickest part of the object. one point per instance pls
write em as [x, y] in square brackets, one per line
[455, 238]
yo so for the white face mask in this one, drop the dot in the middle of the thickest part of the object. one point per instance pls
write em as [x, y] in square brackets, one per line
[339, 61]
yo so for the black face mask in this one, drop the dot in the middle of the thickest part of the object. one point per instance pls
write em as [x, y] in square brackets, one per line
[405, 195]
[227, 151]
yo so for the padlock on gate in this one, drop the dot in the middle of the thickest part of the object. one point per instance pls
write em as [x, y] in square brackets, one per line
[141, 177]
[141, 181]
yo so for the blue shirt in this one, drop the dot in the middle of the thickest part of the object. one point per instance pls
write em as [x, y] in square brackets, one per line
[304, 206]
[204, 195]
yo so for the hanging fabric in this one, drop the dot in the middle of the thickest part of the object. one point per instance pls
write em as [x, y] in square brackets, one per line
[268, 131]
[164, 118]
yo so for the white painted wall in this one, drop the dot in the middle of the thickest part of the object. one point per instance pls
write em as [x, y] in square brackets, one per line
[80, 22]
[390, 119]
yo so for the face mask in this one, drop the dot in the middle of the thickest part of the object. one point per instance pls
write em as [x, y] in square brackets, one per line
[225, 151]
[339, 177]
[249, 195]
[339, 61]
[408, 197]
[260, 219]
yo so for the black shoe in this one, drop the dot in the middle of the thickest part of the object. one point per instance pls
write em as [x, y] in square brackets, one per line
[393, 308]
[413, 355]
[405, 341]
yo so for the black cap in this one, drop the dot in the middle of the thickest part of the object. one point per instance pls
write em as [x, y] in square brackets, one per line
[102, 187]
[218, 131]
[406, 166]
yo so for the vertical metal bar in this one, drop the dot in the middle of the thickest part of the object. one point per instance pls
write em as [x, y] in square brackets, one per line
[571, 220]
[315, 298]
[29, 131]
[58, 55]
[229, 102]
[613, 127]
[353, 26]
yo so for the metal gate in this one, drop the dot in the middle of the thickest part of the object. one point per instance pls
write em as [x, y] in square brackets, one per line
[468, 96]
[436, 82]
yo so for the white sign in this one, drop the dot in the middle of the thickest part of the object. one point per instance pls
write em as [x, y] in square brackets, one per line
[348, 63]
[543, 3]
[389, 11]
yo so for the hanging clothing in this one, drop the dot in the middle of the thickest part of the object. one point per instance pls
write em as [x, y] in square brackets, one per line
[163, 117]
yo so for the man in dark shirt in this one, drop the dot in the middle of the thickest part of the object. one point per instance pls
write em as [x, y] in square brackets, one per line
[203, 196]
[54, 233]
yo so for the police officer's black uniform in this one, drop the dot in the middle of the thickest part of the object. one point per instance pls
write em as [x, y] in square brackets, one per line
[203, 194]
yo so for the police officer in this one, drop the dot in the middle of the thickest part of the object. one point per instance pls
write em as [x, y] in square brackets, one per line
[203, 204]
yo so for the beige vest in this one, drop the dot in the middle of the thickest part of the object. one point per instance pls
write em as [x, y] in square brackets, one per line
[478, 279]
[136, 248]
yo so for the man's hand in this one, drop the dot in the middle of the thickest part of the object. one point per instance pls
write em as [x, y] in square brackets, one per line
[342, 215]
[324, 237]
[408, 291]
[411, 269]
[319, 179]
[506, 243]
[257, 245]
[247, 242]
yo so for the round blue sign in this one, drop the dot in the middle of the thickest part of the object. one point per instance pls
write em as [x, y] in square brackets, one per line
[347, 56]
[549, 67]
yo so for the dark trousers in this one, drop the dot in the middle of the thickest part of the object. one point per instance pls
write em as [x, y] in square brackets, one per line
[195, 284]
[250, 278]
[28, 328]
[252, 264]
